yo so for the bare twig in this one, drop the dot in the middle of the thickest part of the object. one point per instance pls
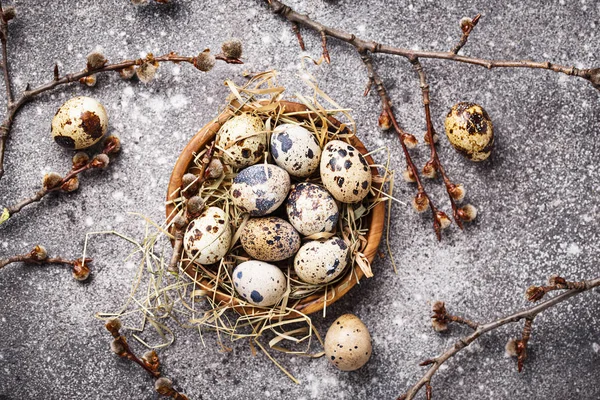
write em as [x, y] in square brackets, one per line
[39, 256]
[466, 25]
[528, 315]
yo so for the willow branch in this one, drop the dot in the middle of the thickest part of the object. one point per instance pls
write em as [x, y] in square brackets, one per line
[68, 183]
[528, 314]
[592, 75]
[29, 93]
[39, 256]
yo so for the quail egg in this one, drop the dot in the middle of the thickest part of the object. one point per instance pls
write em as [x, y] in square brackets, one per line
[270, 239]
[260, 189]
[208, 237]
[345, 172]
[244, 139]
[348, 343]
[321, 261]
[79, 123]
[259, 283]
[470, 131]
[311, 209]
[295, 149]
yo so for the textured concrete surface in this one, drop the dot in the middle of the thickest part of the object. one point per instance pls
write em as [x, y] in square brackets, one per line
[537, 196]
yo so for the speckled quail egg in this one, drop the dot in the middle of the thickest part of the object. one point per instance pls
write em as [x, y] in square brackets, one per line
[244, 139]
[311, 209]
[321, 261]
[470, 131]
[79, 123]
[295, 149]
[208, 237]
[259, 283]
[270, 239]
[345, 172]
[260, 189]
[348, 343]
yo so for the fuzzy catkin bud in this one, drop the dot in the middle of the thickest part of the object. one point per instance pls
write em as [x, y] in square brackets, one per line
[195, 205]
[205, 61]
[127, 72]
[179, 222]
[112, 144]
[80, 159]
[408, 175]
[511, 348]
[100, 161]
[146, 72]
[420, 202]
[410, 141]
[232, 48]
[443, 219]
[89, 81]
[466, 24]
[80, 270]
[117, 347]
[9, 13]
[150, 358]
[113, 325]
[384, 121]
[189, 183]
[51, 180]
[467, 213]
[95, 60]
[439, 326]
[163, 385]
[39, 253]
[429, 170]
[457, 192]
[71, 185]
[215, 168]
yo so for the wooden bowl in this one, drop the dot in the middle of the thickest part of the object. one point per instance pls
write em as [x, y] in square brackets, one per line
[312, 303]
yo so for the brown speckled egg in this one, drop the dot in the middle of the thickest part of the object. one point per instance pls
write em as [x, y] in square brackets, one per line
[260, 189]
[244, 139]
[79, 123]
[469, 129]
[348, 343]
[345, 172]
[259, 283]
[311, 209]
[208, 237]
[295, 149]
[270, 239]
[321, 261]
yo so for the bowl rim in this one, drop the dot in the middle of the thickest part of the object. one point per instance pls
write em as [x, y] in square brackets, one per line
[315, 302]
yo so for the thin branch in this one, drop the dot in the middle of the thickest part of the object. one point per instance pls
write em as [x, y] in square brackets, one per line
[39, 256]
[528, 314]
[434, 160]
[404, 137]
[466, 25]
[29, 94]
[296, 31]
[592, 75]
[68, 183]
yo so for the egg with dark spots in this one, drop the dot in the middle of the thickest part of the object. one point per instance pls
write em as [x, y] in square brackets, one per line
[243, 139]
[269, 239]
[311, 209]
[345, 172]
[259, 283]
[321, 261]
[295, 149]
[260, 189]
[470, 131]
[79, 123]
[208, 237]
[348, 343]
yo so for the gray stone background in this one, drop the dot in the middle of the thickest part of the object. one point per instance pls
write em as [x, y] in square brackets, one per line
[537, 197]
